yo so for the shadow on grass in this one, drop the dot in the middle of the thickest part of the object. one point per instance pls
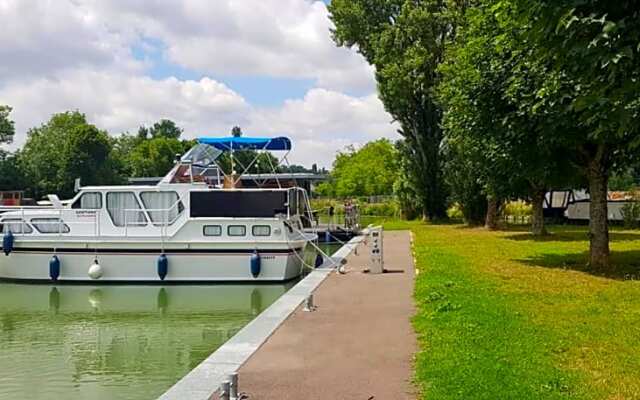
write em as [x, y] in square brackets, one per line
[626, 264]
[577, 235]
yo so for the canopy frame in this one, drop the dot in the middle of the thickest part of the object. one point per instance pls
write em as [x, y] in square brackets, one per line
[261, 145]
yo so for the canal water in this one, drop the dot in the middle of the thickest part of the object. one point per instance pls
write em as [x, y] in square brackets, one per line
[116, 342]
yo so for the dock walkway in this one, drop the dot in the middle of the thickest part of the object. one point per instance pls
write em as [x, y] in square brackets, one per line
[358, 344]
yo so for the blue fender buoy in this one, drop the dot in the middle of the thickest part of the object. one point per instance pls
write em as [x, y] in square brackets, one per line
[255, 264]
[163, 266]
[319, 260]
[7, 243]
[54, 268]
[327, 236]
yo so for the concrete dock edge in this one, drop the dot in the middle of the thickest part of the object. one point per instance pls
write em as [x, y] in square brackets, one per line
[205, 379]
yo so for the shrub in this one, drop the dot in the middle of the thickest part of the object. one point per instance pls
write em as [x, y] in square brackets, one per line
[455, 212]
[517, 208]
[631, 212]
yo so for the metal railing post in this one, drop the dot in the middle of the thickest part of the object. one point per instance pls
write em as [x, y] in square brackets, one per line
[233, 385]
[224, 390]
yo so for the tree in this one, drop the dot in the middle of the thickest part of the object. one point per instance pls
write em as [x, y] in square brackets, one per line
[7, 129]
[236, 131]
[482, 121]
[86, 155]
[143, 133]
[370, 170]
[156, 156]
[165, 128]
[11, 176]
[588, 61]
[65, 148]
[405, 41]
[406, 188]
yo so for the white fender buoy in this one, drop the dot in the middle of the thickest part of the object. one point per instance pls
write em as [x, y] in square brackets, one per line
[95, 270]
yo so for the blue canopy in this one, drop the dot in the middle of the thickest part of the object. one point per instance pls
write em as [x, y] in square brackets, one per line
[247, 143]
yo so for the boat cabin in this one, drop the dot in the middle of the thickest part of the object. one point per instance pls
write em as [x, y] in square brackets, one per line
[194, 190]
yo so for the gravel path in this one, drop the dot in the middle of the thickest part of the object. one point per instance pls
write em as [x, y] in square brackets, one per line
[358, 344]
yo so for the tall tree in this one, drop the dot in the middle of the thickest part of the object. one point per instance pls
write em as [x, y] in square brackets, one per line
[482, 116]
[7, 129]
[588, 59]
[405, 40]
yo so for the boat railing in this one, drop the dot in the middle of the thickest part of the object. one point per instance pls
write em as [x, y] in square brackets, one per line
[26, 217]
[88, 221]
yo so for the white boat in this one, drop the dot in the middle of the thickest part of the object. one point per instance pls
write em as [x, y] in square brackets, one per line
[196, 225]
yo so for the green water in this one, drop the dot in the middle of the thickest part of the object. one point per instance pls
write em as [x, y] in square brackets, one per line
[116, 342]
[112, 342]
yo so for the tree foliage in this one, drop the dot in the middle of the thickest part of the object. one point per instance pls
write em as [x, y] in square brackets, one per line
[485, 136]
[236, 131]
[370, 170]
[587, 59]
[65, 148]
[405, 41]
[11, 175]
[155, 157]
[532, 86]
[165, 128]
[7, 129]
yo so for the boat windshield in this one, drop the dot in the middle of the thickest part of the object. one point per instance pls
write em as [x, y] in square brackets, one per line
[196, 165]
[201, 155]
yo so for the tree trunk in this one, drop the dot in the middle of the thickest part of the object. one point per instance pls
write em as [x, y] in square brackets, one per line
[598, 218]
[491, 221]
[537, 212]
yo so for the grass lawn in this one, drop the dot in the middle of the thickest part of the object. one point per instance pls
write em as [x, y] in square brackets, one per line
[501, 315]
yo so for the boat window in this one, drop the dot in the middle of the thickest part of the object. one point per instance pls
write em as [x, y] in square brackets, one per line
[236, 230]
[89, 201]
[261, 230]
[212, 230]
[16, 226]
[163, 207]
[238, 204]
[124, 209]
[293, 202]
[49, 225]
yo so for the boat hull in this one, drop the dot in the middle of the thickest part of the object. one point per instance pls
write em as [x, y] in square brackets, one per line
[140, 265]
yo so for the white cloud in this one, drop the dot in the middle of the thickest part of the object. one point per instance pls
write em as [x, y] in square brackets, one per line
[121, 103]
[77, 54]
[320, 124]
[324, 114]
[42, 38]
[277, 38]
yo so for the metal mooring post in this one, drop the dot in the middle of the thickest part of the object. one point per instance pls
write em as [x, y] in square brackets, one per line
[308, 304]
[224, 390]
[233, 386]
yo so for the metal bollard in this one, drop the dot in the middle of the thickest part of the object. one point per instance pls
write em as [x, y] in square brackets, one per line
[308, 304]
[224, 390]
[233, 385]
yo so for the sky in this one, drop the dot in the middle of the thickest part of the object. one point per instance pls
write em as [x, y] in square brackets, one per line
[269, 66]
